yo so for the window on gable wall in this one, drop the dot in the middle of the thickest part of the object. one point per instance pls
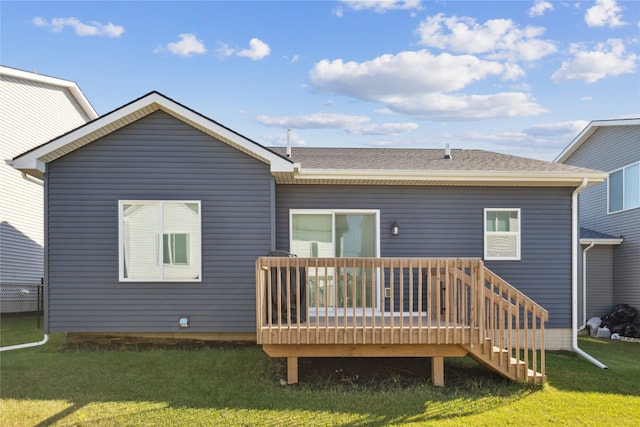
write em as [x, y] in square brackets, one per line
[160, 241]
[502, 234]
[624, 188]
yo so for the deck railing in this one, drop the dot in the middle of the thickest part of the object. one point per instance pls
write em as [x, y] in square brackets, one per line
[514, 322]
[396, 301]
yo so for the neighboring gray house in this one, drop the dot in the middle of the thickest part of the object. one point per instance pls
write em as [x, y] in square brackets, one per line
[33, 110]
[200, 273]
[609, 213]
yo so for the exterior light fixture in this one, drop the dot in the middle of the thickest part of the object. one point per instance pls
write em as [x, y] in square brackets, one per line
[183, 322]
[395, 228]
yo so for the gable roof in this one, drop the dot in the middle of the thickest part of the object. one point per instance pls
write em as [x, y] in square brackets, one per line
[33, 162]
[72, 87]
[379, 166]
[590, 130]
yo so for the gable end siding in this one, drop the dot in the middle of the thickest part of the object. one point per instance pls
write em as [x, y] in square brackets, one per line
[448, 222]
[155, 158]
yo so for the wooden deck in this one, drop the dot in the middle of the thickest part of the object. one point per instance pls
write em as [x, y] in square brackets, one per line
[380, 307]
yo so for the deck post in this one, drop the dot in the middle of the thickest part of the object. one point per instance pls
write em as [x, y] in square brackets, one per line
[437, 371]
[292, 370]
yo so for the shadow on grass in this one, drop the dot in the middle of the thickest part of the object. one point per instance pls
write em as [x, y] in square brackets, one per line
[240, 376]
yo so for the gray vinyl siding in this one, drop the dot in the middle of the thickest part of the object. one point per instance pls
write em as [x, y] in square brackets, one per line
[599, 281]
[448, 222]
[609, 149]
[155, 158]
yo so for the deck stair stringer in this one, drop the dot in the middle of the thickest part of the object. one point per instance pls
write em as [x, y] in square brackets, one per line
[501, 361]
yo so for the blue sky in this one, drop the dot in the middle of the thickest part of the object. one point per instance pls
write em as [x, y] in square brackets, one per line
[517, 77]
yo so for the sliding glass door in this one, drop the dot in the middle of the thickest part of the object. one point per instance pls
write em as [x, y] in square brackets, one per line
[337, 234]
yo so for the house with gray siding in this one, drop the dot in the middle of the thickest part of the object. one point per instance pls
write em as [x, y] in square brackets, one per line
[160, 222]
[609, 214]
[34, 108]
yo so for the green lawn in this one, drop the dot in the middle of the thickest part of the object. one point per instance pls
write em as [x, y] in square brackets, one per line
[61, 384]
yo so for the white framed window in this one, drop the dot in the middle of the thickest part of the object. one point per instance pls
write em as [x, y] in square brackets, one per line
[159, 241]
[624, 188]
[502, 234]
[337, 234]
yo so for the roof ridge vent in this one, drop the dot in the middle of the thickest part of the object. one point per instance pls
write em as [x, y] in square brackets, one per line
[447, 152]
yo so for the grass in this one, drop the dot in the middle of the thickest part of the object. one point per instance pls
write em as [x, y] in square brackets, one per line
[232, 384]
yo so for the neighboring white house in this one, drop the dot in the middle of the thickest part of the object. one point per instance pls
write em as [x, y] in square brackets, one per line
[609, 214]
[33, 110]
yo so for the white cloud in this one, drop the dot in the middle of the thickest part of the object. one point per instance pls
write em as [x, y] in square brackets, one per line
[606, 60]
[439, 106]
[313, 121]
[224, 50]
[559, 129]
[358, 125]
[187, 46]
[381, 6]
[401, 74]
[81, 29]
[512, 72]
[338, 11]
[539, 8]
[401, 83]
[383, 129]
[604, 13]
[292, 59]
[496, 38]
[281, 139]
[257, 50]
[543, 141]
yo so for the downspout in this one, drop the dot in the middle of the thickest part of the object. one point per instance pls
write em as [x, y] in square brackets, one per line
[45, 339]
[575, 242]
[584, 285]
[27, 345]
[31, 179]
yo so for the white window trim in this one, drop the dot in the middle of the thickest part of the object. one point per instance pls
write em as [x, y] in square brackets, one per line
[518, 234]
[159, 260]
[340, 311]
[609, 211]
[333, 213]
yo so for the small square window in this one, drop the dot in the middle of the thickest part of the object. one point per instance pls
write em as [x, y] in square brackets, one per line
[502, 234]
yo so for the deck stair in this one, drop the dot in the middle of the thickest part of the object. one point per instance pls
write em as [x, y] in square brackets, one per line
[400, 307]
[499, 360]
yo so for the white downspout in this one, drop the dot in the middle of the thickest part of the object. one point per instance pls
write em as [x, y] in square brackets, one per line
[575, 242]
[27, 345]
[584, 285]
[45, 339]
[33, 180]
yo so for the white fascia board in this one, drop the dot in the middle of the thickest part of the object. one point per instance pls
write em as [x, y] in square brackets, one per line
[588, 131]
[54, 81]
[542, 177]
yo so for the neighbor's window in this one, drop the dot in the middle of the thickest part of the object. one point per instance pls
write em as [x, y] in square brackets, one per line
[160, 241]
[624, 188]
[502, 234]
